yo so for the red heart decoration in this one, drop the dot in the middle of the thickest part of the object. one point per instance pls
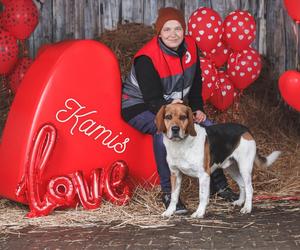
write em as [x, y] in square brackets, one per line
[76, 87]
[289, 86]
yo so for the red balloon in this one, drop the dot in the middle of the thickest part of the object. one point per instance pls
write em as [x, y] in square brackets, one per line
[209, 78]
[205, 26]
[62, 87]
[289, 86]
[20, 17]
[223, 95]
[239, 30]
[8, 52]
[293, 9]
[219, 55]
[4, 2]
[244, 67]
[1, 24]
[16, 76]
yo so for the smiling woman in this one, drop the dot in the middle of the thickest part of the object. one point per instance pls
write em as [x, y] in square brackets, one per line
[166, 70]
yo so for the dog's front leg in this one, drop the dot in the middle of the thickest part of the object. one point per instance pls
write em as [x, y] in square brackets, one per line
[176, 178]
[204, 182]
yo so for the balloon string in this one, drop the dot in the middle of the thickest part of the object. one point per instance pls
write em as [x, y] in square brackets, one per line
[296, 31]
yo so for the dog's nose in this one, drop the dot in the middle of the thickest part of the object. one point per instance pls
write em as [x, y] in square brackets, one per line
[175, 130]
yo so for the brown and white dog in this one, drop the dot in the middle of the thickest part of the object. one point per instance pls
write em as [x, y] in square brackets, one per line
[197, 151]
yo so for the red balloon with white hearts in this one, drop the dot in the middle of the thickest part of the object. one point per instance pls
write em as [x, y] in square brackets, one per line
[8, 52]
[16, 76]
[239, 30]
[219, 55]
[244, 67]
[205, 26]
[20, 17]
[223, 94]
[209, 78]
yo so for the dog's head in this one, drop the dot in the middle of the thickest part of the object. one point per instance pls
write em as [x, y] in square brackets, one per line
[175, 121]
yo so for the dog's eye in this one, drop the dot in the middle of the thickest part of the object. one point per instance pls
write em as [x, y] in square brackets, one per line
[183, 117]
[168, 117]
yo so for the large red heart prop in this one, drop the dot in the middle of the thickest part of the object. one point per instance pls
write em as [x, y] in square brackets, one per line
[76, 87]
[289, 86]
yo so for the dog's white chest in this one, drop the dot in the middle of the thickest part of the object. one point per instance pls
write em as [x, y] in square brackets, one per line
[187, 155]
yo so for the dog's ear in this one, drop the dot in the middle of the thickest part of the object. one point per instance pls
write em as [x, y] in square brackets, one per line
[159, 120]
[190, 128]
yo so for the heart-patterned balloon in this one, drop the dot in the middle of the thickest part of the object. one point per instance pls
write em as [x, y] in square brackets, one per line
[205, 26]
[209, 77]
[76, 87]
[223, 95]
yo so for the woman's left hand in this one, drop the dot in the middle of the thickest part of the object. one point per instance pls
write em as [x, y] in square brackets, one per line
[199, 116]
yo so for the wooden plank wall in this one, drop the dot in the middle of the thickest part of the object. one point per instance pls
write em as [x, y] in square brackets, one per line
[277, 35]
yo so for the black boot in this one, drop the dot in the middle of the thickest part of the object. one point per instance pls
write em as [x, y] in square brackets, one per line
[219, 186]
[180, 207]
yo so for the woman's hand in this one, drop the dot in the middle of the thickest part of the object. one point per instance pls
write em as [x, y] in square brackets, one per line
[177, 101]
[199, 116]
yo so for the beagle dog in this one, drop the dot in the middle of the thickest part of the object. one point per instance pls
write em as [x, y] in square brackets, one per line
[197, 151]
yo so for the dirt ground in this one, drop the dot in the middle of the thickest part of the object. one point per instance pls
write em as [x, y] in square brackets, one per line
[271, 226]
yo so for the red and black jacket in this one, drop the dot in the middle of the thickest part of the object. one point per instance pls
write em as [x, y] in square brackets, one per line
[159, 75]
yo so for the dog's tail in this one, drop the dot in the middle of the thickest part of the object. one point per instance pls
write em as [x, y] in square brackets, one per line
[268, 160]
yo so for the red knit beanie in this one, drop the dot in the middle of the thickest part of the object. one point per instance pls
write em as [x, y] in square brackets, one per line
[166, 14]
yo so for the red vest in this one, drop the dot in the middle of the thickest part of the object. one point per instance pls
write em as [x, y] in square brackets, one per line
[176, 75]
[164, 62]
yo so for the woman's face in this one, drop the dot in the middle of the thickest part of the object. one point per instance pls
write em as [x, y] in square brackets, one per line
[172, 34]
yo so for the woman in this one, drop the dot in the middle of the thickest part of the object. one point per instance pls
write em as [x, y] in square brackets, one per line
[167, 70]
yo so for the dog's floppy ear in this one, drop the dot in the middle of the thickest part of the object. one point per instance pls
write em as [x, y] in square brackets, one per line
[159, 120]
[190, 128]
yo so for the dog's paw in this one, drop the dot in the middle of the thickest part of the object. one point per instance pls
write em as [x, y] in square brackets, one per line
[197, 215]
[246, 210]
[238, 203]
[168, 213]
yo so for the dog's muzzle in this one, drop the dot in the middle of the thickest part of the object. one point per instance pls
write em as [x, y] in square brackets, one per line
[175, 132]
